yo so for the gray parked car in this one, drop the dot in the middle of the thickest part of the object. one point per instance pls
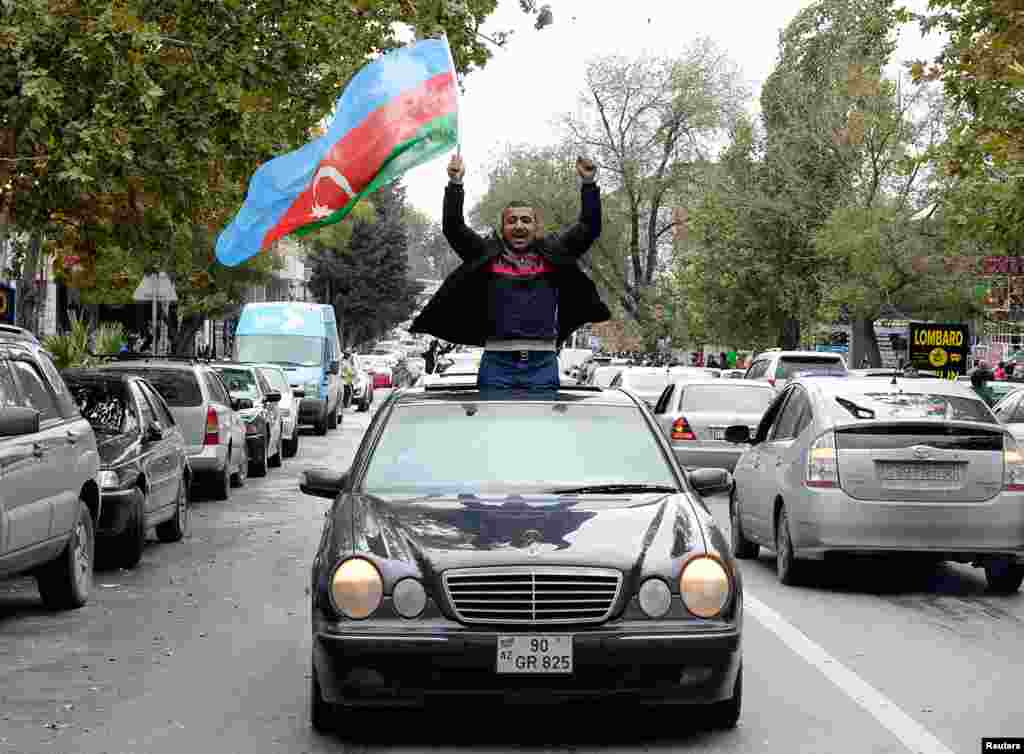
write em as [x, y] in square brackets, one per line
[902, 466]
[201, 406]
[49, 496]
[695, 415]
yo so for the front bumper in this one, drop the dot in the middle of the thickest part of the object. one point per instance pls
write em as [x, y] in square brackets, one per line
[116, 511]
[410, 663]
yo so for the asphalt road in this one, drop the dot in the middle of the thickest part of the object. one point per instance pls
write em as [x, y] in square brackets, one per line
[205, 648]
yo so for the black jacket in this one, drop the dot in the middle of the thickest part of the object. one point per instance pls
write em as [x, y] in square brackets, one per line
[458, 311]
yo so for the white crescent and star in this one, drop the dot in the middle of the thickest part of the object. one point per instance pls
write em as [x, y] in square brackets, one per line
[331, 173]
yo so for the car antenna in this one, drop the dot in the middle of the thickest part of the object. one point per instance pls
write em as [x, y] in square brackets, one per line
[899, 368]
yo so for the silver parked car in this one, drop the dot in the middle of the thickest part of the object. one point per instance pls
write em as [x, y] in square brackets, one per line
[695, 415]
[288, 406]
[848, 465]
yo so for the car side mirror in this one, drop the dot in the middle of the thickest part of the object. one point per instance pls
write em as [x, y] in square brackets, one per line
[154, 433]
[273, 396]
[299, 393]
[334, 367]
[241, 404]
[18, 420]
[738, 434]
[321, 481]
[710, 481]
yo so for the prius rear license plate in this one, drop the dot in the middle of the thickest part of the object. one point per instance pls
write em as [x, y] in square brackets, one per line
[920, 472]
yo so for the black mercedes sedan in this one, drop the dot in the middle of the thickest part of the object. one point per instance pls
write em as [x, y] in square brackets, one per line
[524, 549]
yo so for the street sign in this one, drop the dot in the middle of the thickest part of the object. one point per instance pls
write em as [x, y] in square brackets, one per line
[939, 347]
[156, 288]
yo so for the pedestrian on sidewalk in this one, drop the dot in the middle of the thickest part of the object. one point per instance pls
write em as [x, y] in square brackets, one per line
[519, 294]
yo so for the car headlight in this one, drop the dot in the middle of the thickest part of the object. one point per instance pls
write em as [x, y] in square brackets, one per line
[705, 587]
[108, 480]
[357, 588]
[409, 598]
[655, 598]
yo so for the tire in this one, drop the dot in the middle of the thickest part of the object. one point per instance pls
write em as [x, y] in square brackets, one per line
[222, 482]
[128, 545]
[1004, 576]
[258, 465]
[323, 716]
[275, 460]
[787, 567]
[239, 477]
[291, 447]
[742, 547]
[332, 418]
[364, 406]
[65, 583]
[321, 426]
[725, 715]
[180, 524]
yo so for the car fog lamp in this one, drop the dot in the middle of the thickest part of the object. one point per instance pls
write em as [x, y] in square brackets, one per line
[705, 587]
[409, 598]
[655, 598]
[357, 588]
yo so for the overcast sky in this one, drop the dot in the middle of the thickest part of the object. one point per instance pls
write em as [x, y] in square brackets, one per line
[539, 74]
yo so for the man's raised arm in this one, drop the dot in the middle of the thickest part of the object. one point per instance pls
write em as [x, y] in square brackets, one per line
[464, 242]
[578, 239]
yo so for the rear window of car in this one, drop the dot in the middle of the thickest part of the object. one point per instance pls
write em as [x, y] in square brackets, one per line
[647, 383]
[790, 367]
[104, 405]
[178, 387]
[739, 398]
[887, 405]
[477, 448]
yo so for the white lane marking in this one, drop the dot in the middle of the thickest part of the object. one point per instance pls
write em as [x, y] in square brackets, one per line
[910, 733]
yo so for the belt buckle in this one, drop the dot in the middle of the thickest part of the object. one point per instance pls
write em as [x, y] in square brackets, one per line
[524, 355]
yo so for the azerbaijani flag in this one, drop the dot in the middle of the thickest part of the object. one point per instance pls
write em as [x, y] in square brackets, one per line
[398, 112]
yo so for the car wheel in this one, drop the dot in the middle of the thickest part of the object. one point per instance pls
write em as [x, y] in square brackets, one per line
[222, 482]
[180, 524]
[128, 545]
[321, 426]
[1004, 576]
[725, 715]
[239, 477]
[66, 582]
[275, 460]
[323, 716]
[258, 466]
[291, 447]
[332, 418]
[786, 565]
[742, 547]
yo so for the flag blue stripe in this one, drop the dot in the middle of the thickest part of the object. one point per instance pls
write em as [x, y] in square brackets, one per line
[278, 183]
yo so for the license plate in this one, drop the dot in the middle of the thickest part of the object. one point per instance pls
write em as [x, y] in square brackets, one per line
[535, 654]
[920, 472]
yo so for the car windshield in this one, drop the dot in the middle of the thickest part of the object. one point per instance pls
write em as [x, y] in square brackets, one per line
[303, 350]
[276, 379]
[103, 405]
[178, 387]
[897, 405]
[646, 383]
[477, 447]
[736, 397]
[241, 382]
[797, 367]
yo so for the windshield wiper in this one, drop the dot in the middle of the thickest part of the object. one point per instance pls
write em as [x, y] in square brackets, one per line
[614, 488]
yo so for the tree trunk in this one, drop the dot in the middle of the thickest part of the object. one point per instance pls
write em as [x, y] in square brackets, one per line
[789, 334]
[864, 344]
[182, 336]
[28, 291]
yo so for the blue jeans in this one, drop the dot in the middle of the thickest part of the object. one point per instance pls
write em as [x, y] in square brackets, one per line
[532, 371]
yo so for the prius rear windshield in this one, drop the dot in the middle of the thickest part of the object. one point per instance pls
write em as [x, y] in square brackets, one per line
[895, 405]
[790, 367]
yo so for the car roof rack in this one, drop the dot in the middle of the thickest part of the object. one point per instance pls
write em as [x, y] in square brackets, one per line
[149, 357]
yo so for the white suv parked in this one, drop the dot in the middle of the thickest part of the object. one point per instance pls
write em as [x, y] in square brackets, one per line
[778, 367]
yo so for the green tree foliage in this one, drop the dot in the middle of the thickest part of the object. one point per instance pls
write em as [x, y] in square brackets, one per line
[430, 256]
[367, 279]
[982, 73]
[649, 123]
[129, 128]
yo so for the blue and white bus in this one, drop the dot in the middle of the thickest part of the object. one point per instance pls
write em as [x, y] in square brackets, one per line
[302, 338]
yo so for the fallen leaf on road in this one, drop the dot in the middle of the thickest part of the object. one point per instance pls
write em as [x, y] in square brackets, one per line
[69, 706]
[110, 586]
[111, 659]
[202, 636]
[56, 726]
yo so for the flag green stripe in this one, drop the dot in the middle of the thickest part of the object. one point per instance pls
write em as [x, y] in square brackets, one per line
[431, 140]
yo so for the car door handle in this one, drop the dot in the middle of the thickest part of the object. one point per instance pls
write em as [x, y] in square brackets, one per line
[72, 438]
[38, 450]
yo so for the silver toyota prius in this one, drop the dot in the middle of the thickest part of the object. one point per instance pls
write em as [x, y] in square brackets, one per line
[848, 465]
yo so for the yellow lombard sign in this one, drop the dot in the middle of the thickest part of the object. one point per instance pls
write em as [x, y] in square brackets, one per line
[942, 348]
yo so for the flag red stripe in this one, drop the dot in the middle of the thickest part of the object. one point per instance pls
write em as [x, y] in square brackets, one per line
[361, 152]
